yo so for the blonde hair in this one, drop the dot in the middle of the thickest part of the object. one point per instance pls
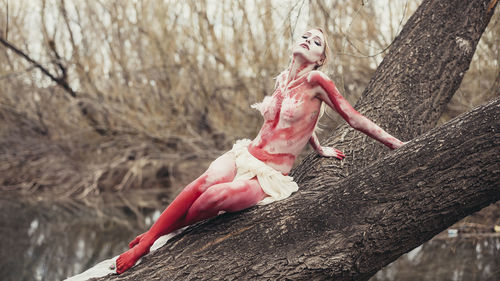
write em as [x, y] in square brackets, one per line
[325, 58]
[325, 50]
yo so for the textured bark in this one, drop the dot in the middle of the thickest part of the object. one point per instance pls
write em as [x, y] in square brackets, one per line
[411, 87]
[347, 229]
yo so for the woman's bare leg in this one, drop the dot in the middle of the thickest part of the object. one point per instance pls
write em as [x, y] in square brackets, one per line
[229, 197]
[223, 169]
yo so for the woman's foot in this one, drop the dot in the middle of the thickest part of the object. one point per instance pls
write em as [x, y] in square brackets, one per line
[130, 257]
[136, 240]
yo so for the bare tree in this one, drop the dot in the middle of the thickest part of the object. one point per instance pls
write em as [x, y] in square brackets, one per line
[179, 76]
[347, 229]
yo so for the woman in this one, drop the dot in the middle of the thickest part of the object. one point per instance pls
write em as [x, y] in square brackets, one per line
[255, 171]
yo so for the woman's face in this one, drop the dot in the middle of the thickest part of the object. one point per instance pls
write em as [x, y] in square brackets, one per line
[310, 46]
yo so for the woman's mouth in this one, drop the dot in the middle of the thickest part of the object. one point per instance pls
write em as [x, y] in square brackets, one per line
[304, 45]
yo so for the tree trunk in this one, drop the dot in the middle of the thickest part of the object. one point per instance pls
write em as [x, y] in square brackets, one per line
[412, 86]
[348, 229]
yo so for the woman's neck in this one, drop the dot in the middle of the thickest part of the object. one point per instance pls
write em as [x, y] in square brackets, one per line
[299, 67]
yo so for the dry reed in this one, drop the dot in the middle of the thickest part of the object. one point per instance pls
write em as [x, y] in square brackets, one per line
[164, 87]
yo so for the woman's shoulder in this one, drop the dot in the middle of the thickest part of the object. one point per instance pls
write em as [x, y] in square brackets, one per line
[316, 75]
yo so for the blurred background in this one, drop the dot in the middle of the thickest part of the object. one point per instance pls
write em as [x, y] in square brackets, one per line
[151, 91]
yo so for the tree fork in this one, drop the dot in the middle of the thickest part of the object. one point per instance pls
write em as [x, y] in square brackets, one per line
[412, 86]
[348, 229]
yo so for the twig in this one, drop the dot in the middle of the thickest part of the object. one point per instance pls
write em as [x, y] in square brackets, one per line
[60, 81]
[7, 22]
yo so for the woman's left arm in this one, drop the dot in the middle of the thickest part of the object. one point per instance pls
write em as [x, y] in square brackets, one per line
[335, 100]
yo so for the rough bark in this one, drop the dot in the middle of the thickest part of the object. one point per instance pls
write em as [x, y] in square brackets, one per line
[411, 87]
[348, 229]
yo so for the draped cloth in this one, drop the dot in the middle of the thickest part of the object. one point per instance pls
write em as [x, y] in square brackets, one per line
[273, 183]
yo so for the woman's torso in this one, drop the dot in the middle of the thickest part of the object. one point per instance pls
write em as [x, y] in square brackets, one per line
[290, 116]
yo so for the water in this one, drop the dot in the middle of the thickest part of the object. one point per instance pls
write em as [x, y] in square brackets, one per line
[44, 240]
[461, 258]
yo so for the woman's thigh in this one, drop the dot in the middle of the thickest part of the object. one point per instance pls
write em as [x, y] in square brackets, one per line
[222, 169]
[229, 197]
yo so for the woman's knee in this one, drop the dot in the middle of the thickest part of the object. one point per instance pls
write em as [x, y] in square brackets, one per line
[222, 169]
[199, 185]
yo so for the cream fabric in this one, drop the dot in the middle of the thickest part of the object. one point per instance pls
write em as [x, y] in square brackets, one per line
[275, 184]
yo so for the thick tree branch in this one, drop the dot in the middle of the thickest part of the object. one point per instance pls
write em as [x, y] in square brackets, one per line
[349, 229]
[413, 84]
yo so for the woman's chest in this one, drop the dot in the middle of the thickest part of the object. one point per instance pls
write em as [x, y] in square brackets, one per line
[291, 105]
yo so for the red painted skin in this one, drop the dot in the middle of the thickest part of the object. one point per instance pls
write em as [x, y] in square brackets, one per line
[289, 122]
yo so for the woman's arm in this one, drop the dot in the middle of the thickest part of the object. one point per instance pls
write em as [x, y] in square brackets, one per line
[324, 150]
[335, 100]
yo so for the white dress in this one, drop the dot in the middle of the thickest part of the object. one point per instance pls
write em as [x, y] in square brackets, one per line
[273, 183]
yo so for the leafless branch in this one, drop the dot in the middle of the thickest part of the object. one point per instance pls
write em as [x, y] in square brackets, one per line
[58, 80]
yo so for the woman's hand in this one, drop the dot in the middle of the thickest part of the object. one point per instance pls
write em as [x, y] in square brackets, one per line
[400, 144]
[326, 151]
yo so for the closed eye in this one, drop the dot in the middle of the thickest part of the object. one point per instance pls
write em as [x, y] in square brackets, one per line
[317, 43]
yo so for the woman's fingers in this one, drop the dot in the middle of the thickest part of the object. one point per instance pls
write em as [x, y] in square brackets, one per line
[332, 152]
[340, 154]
